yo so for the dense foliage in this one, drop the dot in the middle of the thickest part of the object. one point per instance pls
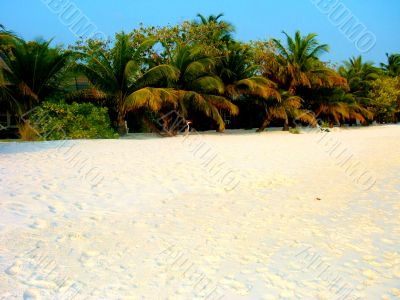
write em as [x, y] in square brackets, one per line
[54, 121]
[30, 71]
[385, 98]
[198, 70]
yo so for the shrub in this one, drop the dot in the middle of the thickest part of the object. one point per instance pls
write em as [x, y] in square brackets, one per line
[325, 124]
[385, 98]
[294, 130]
[54, 121]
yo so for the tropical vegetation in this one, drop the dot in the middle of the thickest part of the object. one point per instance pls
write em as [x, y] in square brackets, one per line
[196, 69]
[56, 121]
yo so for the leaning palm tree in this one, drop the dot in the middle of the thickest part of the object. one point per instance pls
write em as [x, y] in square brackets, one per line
[286, 108]
[392, 68]
[337, 106]
[298, 64]
[200, 88]
[241, 77]
[243, 82]
[31, 71]
[334, 112]
[118, 73]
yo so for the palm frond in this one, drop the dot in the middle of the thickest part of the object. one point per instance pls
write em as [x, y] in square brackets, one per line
[256, 86]
[152, 98]
[208, 84]
[222, 103]
[163, 73]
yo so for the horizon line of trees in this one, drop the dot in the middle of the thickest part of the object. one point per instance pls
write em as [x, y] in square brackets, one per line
[198, 69]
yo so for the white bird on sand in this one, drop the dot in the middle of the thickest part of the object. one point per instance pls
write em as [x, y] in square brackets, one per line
[187, 129]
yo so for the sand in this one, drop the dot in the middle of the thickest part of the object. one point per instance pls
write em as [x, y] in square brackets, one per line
[237, 215]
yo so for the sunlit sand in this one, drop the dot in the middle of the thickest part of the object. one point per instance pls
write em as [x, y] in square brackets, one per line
[238, 215]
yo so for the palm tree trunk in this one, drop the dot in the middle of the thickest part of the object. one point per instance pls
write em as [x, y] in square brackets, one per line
[122, 128]
[265, 123]
[170, 126]
[221, 128]
[286, 125]
[121, 114]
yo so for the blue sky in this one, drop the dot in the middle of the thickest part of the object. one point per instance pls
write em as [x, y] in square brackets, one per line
[253, 19]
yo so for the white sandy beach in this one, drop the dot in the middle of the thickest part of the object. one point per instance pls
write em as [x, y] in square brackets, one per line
[237, 215]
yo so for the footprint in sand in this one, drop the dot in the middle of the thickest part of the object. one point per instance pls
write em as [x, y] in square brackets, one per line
[395, 292]
[371, 275]
[52, 209]
[81, 206]
[88, 258]
[31, 294]
[39, 224]
[16, 208]
[49, 187]
[237, 286]
[396, 272]
[56, 208]
[14, 269]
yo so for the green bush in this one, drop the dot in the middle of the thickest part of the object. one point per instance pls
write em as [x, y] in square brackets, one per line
[294, 130]
[54, 121]
[385, 98]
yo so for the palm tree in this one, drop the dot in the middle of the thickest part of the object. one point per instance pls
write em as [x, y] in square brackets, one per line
[344, 102]
[6, 36]
[348, 102]
[298, 64]
[225, 31]
[30, 71]
[118, 73]
[341, 107]
[197, 88]
[359, 74]
[201, 89]
[243, 82]
[241, 77]
[286, 108]
[392, 68]
[210, 19]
